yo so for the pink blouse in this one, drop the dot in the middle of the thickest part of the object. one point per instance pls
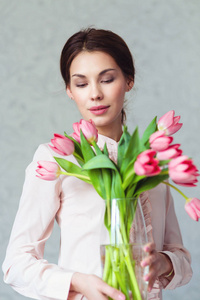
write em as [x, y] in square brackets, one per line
[79, 212]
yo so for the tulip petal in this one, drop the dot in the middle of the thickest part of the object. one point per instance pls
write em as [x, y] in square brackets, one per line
[173, 129]
[166, 120]
[191, 212]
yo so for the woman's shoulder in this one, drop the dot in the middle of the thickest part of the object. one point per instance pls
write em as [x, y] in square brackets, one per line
[45, 152]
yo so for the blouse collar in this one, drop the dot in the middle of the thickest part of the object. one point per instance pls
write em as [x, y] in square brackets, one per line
[112, 146]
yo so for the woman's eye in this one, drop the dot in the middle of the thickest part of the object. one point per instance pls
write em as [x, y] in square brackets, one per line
[108, 80]
[81, 85]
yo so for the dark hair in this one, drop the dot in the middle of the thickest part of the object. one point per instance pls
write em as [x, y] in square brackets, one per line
[92, 39]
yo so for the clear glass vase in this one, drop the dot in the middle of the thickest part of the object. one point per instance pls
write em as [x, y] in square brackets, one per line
[121, 259]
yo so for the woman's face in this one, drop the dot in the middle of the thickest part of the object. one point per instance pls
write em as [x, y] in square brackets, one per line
[98, 87]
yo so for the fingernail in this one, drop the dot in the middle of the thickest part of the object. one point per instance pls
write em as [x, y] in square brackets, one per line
[143, 263]
[146, 277]
[146, 248]
[149, 289]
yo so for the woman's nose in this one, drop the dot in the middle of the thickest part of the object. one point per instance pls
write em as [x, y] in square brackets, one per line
[96, 93]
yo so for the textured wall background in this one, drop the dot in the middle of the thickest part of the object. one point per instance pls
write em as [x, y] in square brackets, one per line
[164, 37]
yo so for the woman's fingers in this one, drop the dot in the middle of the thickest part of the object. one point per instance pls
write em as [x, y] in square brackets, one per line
[153, 261]
[93, 287]
[149, 247]
[158, 263]
[112, 293]
[151, 258]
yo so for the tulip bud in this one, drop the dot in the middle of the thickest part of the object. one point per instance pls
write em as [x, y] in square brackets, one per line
[169, 123]
[182, 171]
[146, 164]
[88, 129]
[192, 207]
[159, 141]
[171, 152]
[48, 170]
[62, 145]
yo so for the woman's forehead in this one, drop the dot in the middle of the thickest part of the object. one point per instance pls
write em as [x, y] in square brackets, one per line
[95, 61]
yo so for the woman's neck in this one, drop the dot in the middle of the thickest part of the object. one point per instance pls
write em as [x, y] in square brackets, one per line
[113, 133]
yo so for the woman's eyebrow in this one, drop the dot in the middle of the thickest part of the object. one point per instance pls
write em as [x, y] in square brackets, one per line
[101, 73]
[106, 70]
[78, 75]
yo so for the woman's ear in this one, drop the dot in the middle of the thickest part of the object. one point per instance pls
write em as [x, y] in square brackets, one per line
[129, 85]
[69, 93]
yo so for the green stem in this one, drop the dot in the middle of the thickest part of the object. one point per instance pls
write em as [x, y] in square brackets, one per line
[175, 188]
[164, 173]
[108, 214]
[135, 288]
[76, 155]
[83, 177]
[107, 265]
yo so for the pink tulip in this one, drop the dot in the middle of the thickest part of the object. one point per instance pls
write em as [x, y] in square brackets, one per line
[159, 141]
[48, 170]
[182, 171]
[88, 129]
[171, 152]
[146, 164]
[169, 123]
[62, 145]
[192, 207]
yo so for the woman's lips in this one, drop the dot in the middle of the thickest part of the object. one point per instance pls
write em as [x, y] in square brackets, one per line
[99, 110]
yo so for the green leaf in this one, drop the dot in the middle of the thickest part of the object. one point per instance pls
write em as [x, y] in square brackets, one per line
[149, 183]
[77, 146]
[122, 146]
[97, 182]
[99, 162]
[117, 190]
[68, 166]
[133, 149]
[164, 162]
[73, 169]
[134, 144]
[96, 148]
[79, 159]
[152, 127]
[128, 175]
[87, 150]
[95, 174]
[105, 150]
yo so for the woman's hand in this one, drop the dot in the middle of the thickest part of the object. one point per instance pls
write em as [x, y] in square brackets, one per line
[94, 288]
[159, 264]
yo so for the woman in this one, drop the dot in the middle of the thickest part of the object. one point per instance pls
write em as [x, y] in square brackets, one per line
[98, 70]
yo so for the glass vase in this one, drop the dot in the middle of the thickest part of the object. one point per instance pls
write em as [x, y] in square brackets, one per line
[121, 259]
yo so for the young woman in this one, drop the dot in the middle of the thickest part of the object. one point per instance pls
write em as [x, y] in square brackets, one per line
[98, 70]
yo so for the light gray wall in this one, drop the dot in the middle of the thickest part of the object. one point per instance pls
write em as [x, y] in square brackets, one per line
[164, 37]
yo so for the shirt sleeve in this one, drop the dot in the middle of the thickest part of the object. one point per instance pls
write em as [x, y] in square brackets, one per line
[24, 267]
[173, 247]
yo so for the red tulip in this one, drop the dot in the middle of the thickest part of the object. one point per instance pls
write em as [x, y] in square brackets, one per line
[171, 152]
[169, 123]
[192, 207]
[48, 170]
[62, 145]
[159, 141]
[88, 129]
[146, 164]
[182, 171]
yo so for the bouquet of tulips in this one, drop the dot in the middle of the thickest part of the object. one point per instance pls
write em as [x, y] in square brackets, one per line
[142, 164]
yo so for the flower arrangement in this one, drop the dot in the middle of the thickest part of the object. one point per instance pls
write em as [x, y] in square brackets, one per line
[142, 164]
